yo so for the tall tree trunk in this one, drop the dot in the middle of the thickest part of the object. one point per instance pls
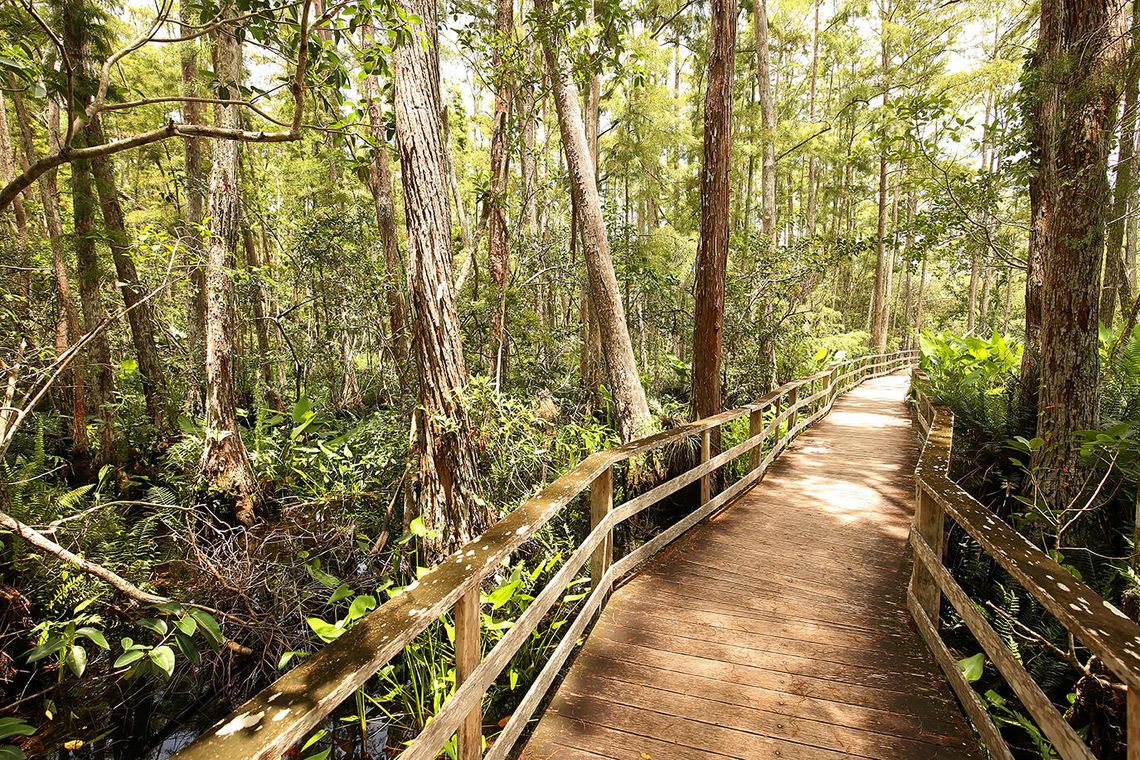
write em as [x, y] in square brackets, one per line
[1093, 46]
[972, 295]
[19, 218]
[1042, 188]
[919, 304]
[591, 360]
[712, 249]
[498, 250]
[67, 326]
[1131, 229]
[224, 461]
[469, 237]
[631, 408]
[884, 256]
[77, 48]
[767, 119]
[90, 277]
[984, 299]
[528, 166]
[265, 361]
[811, 177]
[139, 318]
[1117, 285]
[447, 478]
[194, 215]
[382, 195]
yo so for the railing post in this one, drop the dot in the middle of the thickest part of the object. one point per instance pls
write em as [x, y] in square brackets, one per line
[793, 397]
[468, 652]
[1133, 717]
[930, 523]
[833, 385]
[706, 453]
[601, 502]
[777, 407]
[755, 428]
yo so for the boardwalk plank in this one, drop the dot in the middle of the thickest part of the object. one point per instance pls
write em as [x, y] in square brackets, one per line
[777, 629]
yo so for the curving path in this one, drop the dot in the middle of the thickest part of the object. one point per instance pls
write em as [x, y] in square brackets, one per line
[779, 628]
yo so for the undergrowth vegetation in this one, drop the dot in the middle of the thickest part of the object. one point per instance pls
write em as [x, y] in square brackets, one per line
[252, 602]
[980, 381]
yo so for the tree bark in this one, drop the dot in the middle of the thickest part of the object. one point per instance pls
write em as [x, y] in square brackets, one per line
[972, 295]
[1117, 284]
[265, 361]
[1092, 43]
[498, 246]
[630, 406]
[767, 119]
[225, 462]
[884, 257]
[1042, 189]
[382, 194]
[90, 278]
[528, 166]
[811, 176]
[712, 249]
[67, 326]
[139, 317]
[19, 218]
[447, 479]
[193, 216]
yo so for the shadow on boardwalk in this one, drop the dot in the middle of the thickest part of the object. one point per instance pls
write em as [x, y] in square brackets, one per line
[779, 628]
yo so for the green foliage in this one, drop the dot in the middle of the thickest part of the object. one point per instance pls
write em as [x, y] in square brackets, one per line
[10, 727]
[1004, 714]
[1120, 362]
[178, 631]
[977, 378]
[525, 445]
[64, 640]
[972, 667]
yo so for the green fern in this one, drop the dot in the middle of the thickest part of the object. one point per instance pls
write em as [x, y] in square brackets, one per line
[70, 499]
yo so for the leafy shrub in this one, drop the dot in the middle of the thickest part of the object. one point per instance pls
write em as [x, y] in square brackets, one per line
[977, 378]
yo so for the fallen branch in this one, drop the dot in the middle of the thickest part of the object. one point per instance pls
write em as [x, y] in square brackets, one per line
[47, 546]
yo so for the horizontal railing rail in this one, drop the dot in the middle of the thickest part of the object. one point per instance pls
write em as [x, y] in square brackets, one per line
[272, 721]
[1099, 626]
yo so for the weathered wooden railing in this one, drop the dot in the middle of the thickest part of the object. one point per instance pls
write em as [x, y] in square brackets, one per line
[1100, 627]
[272, 721]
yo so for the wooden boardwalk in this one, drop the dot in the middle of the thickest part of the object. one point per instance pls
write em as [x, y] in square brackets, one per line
[779, 628]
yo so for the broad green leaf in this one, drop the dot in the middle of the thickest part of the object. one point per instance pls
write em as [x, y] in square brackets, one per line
[14, 727]
[188, 648]
[94, 635]
[77, 660]
[287, 658]
[163, 659]
[153, 624]
[126, 658]
[326, 631]
[343, 591]
[209, 627]
[973, 667]
[361, 606]
[320, 576]
[501, 595]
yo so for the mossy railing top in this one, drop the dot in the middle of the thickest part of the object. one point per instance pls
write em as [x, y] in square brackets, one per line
[269, 723]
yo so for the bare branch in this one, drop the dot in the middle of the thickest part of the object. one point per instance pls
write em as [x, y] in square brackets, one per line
[66, 153]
